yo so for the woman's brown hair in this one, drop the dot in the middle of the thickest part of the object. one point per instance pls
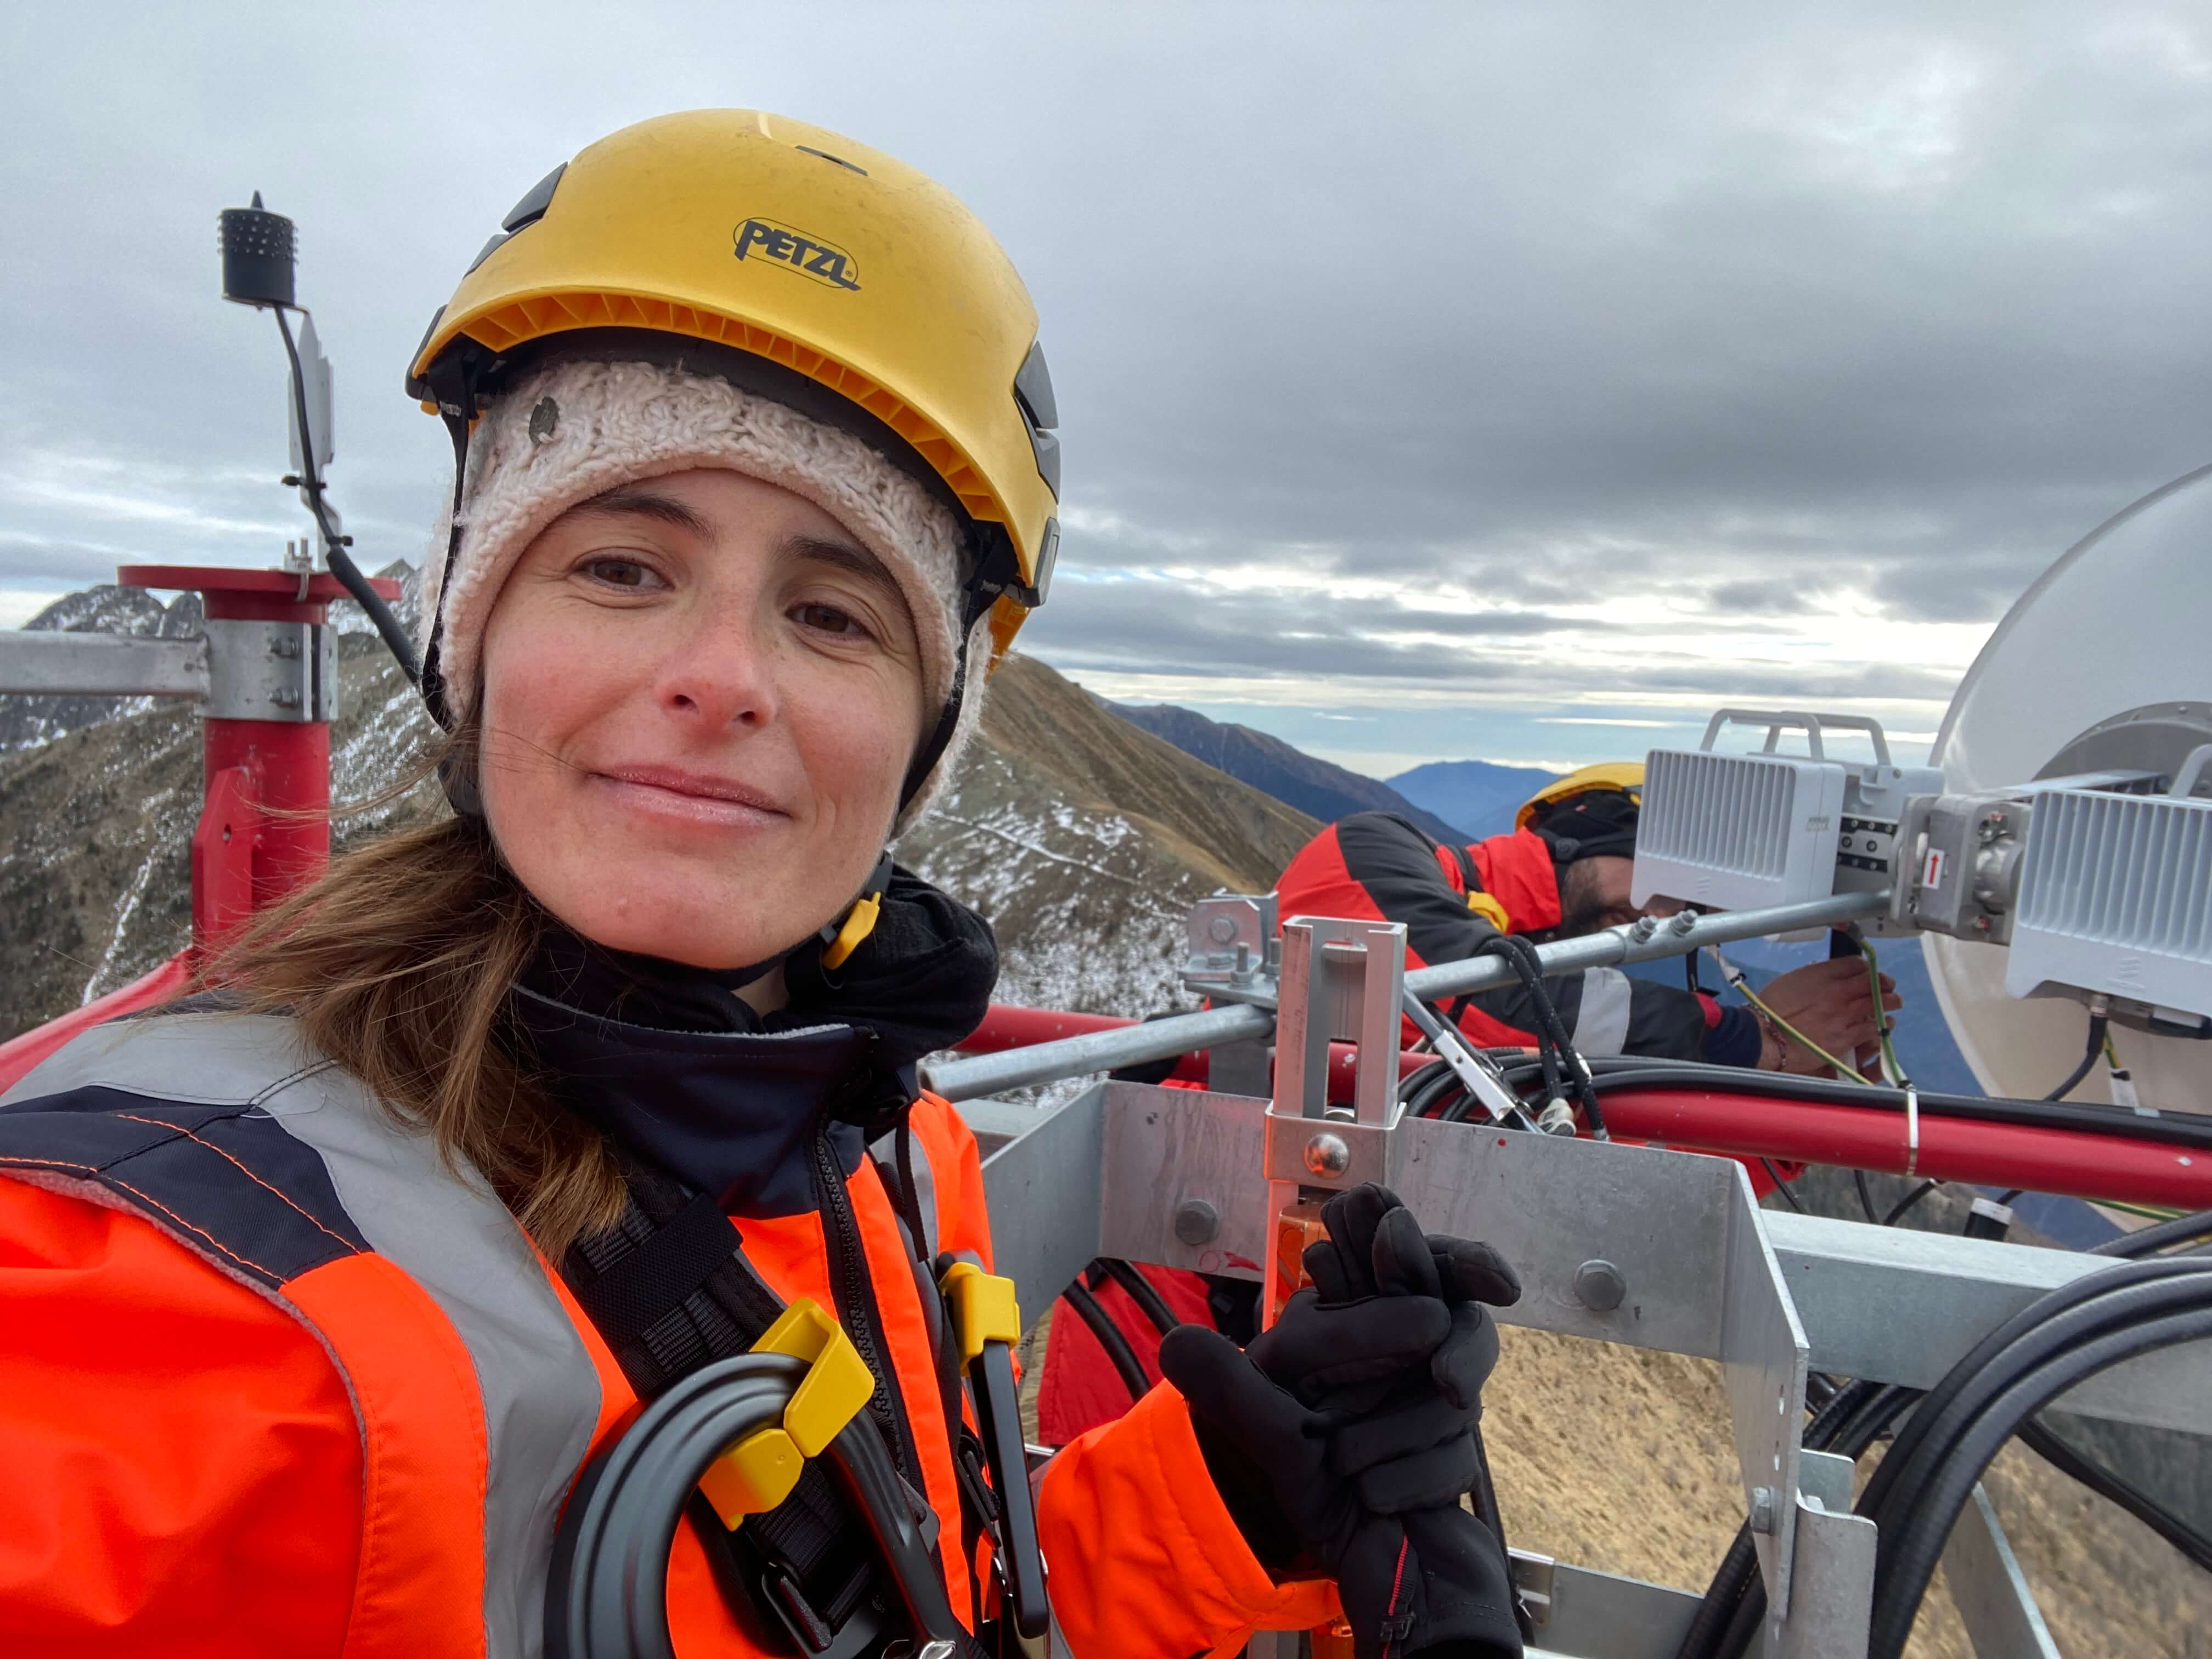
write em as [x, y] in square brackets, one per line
[396, 964]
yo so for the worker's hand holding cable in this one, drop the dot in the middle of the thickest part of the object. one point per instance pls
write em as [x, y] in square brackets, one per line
[1823, 1011]
[1343, 1439]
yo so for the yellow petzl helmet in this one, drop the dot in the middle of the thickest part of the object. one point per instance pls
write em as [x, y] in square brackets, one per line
[799, 264]
[1624, 776]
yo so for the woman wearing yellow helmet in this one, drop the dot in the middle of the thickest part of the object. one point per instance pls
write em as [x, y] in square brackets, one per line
[325, 1288]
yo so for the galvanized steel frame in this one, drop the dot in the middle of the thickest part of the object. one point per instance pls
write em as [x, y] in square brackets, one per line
[1191, 1179]
[1767, 1294]
[88, 664]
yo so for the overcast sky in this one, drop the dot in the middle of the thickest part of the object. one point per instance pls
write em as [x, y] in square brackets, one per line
[1511, 381]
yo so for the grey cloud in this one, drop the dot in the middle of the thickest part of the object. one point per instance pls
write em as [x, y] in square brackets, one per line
[1530, 304]
[1963, 588]
[1759, 596]
[61, 564]
[1139, 627]
[1132, 626]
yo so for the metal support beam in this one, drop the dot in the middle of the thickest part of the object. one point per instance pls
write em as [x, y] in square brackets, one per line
[1832, 1608]
[1582, 1614]
[1897, 1306]
[1992, 1594]
[1832, 1603]
[1342, 981]
[1042, 1193]
[1172, 1176]
[1649, 940]
[1887, 1303]
[1097, 1051]
[102, 665]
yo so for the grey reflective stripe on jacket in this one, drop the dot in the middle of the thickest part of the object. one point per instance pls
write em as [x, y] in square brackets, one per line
[447, 1231]
[1602, 1020]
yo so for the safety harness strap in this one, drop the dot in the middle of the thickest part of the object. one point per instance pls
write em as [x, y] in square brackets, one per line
[631, 1299]
[671, 1295]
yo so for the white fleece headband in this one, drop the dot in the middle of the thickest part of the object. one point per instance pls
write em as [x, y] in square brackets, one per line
[577, 429]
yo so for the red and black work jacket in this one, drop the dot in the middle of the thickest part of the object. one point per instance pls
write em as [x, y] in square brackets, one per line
[276, 1378]
[1377, 866]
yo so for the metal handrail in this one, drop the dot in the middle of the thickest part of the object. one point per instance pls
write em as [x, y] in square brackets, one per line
[1644, 940]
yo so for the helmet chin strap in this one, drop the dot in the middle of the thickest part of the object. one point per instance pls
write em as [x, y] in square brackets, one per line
[840, 938]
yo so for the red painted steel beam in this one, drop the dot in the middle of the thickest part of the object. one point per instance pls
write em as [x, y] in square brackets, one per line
[2039, 1159]
[283, 586]
[1007, 1026]
[2035, 1158]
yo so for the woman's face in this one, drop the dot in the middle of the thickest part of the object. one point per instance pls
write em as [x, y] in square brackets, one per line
[700, 697]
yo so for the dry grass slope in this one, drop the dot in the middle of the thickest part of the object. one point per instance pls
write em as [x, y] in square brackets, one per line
[1226, 832]
[1618, 1459]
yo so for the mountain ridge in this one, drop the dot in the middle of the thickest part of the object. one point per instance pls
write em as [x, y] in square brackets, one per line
[1319, 788]
[1483, 795]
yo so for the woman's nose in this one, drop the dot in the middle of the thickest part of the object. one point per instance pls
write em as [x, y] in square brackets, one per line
[719, 674]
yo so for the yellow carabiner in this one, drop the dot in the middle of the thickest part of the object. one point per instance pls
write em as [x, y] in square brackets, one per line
[758, 1473]
[1486, 906]
[984, 1308]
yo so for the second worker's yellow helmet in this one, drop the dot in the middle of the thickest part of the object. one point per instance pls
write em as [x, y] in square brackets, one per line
[1625, 777]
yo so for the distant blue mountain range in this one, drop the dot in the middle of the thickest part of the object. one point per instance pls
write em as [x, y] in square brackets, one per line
[1479, 796]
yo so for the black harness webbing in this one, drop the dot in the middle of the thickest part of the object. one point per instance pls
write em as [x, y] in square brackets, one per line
[1472, 877]
[669, 1290]
[640, 1298]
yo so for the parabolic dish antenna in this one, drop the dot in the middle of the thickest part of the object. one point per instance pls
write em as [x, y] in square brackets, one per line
[2106, 662]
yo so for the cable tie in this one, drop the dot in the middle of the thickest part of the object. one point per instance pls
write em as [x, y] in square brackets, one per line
[1911, 1131]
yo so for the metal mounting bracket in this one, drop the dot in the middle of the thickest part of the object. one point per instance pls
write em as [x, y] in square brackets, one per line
[271, 671]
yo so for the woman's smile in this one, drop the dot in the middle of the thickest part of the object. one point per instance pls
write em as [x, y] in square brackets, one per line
[669, 793]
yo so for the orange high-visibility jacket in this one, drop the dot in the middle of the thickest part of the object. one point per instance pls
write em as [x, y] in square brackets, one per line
[274, 1379]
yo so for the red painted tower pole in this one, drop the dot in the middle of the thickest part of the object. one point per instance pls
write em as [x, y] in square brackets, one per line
[264, 830]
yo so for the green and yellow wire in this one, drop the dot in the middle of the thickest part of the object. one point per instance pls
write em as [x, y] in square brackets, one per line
[1741, 984]
[1892, 1071]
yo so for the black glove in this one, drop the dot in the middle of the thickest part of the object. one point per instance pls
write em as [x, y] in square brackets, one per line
[1342, 1439]
[1414, 1443]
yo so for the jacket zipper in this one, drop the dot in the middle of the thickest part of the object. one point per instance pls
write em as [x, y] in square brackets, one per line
[856, 1304]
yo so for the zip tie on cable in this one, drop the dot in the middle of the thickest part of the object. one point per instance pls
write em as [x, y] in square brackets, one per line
[1911, 1131]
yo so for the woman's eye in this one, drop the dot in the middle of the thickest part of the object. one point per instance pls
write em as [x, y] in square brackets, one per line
[829, 619]
[617, 572]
